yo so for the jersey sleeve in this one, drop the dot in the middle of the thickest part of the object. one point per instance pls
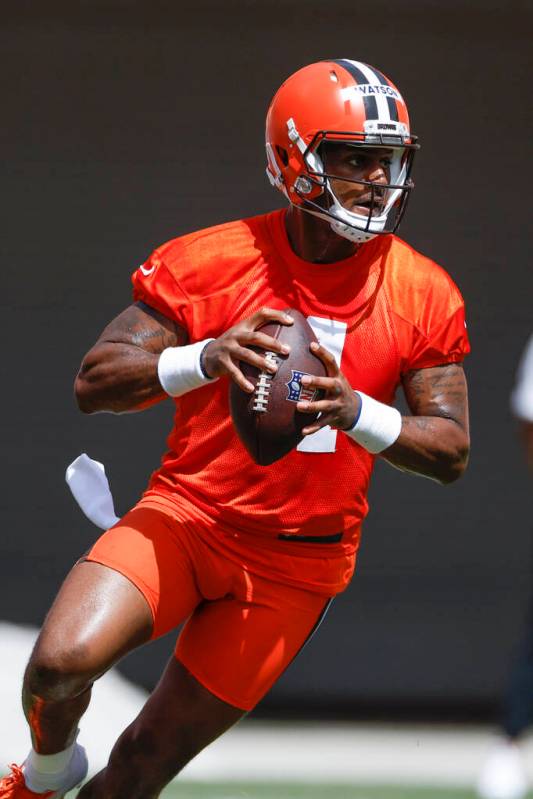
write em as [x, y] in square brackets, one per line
[522, 396]
[430, 322]
[155, 285]
[444, 341]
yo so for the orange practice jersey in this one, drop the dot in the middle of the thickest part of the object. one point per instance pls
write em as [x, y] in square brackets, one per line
[382, 312]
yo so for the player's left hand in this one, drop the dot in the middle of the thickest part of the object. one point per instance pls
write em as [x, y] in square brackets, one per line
[340, 406]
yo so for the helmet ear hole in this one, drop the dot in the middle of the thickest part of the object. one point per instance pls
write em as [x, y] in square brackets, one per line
[283, 154]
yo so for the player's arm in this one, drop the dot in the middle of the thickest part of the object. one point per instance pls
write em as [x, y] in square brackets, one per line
[122, 372]
[433, 442]
[119, 373]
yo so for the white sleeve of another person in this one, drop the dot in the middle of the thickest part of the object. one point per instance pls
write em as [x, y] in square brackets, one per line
[522, 396]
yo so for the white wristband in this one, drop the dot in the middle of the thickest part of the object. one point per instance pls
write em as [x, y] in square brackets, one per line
[179, 368]
[377, 426]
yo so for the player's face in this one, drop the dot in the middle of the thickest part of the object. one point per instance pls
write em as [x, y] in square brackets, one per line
[348, 164]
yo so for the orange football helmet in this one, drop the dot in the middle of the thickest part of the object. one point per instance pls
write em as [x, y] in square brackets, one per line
[346, 101]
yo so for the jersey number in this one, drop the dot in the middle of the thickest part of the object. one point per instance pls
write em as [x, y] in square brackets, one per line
[332, 335]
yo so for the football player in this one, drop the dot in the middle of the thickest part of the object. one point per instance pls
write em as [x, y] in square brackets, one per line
[249, 556]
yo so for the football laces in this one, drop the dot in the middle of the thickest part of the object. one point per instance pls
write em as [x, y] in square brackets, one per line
[263, 386]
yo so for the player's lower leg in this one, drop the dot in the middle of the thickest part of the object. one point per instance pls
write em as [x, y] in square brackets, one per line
[180, 718]
[83, 635]
[55, 759]
[53, 724]
[56, 762]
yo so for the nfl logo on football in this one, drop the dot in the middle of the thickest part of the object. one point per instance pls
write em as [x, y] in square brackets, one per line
[298, 392]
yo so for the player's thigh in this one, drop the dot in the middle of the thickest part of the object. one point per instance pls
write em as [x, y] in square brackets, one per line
[237, 647]
[97, 616]
[135, 583]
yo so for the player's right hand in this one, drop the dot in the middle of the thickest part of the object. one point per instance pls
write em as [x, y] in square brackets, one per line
[222, 356]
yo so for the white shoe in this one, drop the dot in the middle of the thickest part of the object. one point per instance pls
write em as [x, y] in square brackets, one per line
[503, 775]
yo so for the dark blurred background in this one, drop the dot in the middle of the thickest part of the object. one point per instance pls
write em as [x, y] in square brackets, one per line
[126, 123]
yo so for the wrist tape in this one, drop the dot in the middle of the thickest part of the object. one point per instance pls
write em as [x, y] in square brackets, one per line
[179, 368]
[377, 426]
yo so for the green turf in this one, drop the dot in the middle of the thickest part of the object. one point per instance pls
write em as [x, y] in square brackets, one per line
[294, 791]
[241, 790]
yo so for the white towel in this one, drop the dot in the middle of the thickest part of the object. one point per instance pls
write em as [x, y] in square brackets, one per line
[90, 488]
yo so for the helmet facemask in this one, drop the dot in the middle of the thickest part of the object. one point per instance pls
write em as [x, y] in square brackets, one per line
[372, 207]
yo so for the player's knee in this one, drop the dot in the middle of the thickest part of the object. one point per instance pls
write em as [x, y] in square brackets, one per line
[60, 672]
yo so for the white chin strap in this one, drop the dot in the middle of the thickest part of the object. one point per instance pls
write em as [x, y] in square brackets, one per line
[352, 226]
[348, 232]
[340, 227]
[348, 225]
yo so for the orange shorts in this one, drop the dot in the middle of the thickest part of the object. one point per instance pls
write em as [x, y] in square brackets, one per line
[241, 630]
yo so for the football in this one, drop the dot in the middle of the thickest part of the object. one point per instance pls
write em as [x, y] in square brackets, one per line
[267, 421]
